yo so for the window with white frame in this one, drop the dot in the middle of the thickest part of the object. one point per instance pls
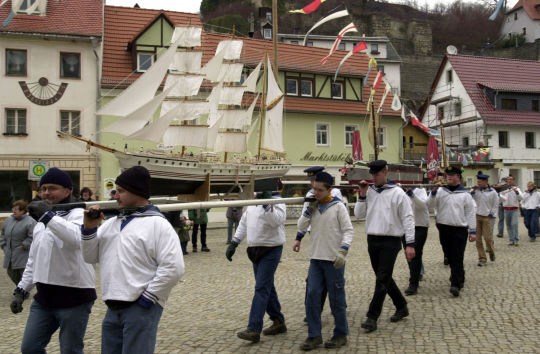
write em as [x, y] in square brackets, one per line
[144, 61]
[307, 88]
[375, 48]
[15, 121]
[349, 134]
[70, 122]
[321, 131]
[341, 46]
[382, 137]
[530, 141]
[465, 141]
[26, 4]
[292, 87]
[449, 76]
[337, 90]
[457, 108]
[267, 33]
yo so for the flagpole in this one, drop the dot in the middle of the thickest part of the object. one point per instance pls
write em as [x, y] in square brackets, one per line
[275, 35]
[375, 128]
[443, 143]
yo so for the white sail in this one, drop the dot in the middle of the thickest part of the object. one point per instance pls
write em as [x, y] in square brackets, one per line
[186, 135]
[187, 63]
[213, 103]
[273, 128]
[187, 36]
[183, 85]
[232, 118]
[251, 81]
[155, 130]
[212, 69]
[142, 90]
[232, 48]
[254, 128]
[274, 92]
[137, 119]
[231, 142]
[232, 95]
[189, 110]
[212, 134]
[249, 113]
[230, 73]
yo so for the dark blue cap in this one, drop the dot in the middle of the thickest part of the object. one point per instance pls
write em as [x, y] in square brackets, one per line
[312, 171]
[451, 170]
[482, 176]
[324, 177]
[376, 166]
[56, 176]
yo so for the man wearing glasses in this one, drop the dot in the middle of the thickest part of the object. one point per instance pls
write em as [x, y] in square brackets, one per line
[65, 283]
[389, 215]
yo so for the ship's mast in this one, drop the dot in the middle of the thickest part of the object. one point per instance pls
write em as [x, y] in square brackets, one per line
[263, 104]
[375, 132]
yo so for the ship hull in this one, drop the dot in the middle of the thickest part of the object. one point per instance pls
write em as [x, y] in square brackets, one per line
[172, 176]
[399, 173]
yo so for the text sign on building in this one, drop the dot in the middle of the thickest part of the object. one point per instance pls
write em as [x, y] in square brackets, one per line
[37, 169]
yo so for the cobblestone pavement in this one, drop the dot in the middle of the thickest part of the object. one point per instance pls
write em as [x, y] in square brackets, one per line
[498, 310]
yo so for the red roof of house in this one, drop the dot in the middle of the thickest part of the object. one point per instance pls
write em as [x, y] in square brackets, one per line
[122, 25]
[504, 75]
[531, 7]
[80, 17]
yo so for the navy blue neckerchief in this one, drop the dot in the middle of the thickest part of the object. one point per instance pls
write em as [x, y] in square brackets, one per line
[323, 207]
[389, 184]
[459, 189]
[126, 215]
[66, 200]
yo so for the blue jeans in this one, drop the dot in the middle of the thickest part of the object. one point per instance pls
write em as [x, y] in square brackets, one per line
[500, 225]
[44, 321]
[511, 218]
[323, 273]
[265, 299]
[231, 223]
[531, 222]
[492, 227]
[130, 330]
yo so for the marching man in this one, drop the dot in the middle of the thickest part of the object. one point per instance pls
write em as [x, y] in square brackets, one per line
[487, 203]
[140, 262]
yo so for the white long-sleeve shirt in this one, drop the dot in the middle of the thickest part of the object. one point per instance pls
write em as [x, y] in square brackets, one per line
[387, 213]
[531, 200]
[262, 227]
[510, 199]
[419, 201]
[331, 230]
[143, 258]
[455, 208]
[55, 254]
[487, 201]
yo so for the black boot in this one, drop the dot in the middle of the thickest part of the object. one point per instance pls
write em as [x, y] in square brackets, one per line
[411, 290]
[369, 325]
[400, 314]
[311, 343]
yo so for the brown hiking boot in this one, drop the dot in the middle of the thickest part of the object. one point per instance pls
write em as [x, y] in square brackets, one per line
[311, 343]
[249, 335]
[276, 328]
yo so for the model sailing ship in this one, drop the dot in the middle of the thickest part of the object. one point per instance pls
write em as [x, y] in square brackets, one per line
[226, 129]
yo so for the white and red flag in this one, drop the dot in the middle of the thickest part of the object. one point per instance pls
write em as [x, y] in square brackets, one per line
[416, 122]
[309, 8]
[434, 161]
[357, 147]
[349, 28]
[331, 17]
[378, 80]
[358, 48]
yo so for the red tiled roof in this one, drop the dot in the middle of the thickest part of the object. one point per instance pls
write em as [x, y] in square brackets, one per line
[122, 25]
[75, 17]
[532, 8]
[512, 87]
[473, 70]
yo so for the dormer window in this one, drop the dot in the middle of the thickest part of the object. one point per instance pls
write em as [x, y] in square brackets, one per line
[374, 48]
[144, 61]
[26, 4]
[267, 33]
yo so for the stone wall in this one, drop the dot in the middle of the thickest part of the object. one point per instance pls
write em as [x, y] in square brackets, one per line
[527, 51]
[417, 75]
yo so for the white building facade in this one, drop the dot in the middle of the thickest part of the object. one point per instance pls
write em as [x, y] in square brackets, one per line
[523, 18]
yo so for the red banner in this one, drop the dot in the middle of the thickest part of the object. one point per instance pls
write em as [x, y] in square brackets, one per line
[433, 159]
[357, 147]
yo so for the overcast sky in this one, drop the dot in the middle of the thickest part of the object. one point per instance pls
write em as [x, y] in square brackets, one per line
[193, 5]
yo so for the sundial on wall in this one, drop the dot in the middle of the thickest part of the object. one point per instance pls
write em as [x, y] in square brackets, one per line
[43, 92]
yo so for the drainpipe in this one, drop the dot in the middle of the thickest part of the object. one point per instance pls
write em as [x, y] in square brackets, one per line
[95, 45]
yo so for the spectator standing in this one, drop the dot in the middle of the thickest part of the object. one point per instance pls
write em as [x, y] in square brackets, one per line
[233, 214]
[200, 220]
[510, 198]
[15, 240]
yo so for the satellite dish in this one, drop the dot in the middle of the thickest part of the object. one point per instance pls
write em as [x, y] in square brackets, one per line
[451, 50]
